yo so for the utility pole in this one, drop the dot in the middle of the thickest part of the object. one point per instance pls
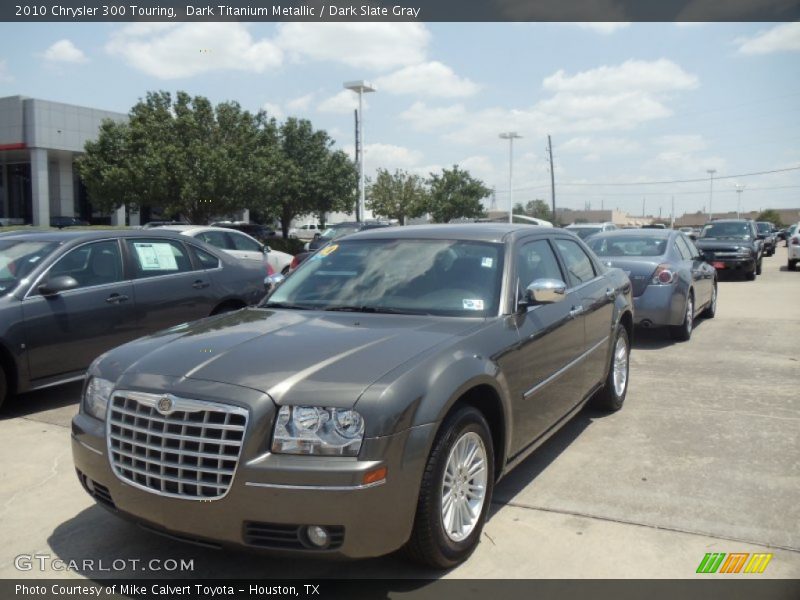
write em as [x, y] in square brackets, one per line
[552, 177]
[359, 216]
[643, 201]
[710, 192]
[739, 190]
[672, 215]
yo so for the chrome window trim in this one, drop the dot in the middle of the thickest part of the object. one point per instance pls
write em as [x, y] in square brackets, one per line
[180, 404]
[574, 362]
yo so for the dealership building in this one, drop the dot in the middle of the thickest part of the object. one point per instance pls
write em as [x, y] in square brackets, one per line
[39, 141]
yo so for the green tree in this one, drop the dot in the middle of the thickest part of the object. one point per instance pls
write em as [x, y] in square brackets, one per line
[538, 209]
[454, 194]
[184, 156]
[397, 196]
[772, 216]
[309, 176]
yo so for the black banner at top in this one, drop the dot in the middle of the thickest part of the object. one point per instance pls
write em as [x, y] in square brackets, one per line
[399, 10]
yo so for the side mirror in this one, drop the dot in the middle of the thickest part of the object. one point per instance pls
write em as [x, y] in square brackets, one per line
[55, 285]
[544, 291]
[273, 281]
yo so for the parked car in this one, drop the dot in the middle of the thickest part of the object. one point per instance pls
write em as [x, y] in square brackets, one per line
[765, 234]
[68, 296]
[371, 403]
[305, 232]
[62, 222]
[732, 245]
[672, 283]
[584, 230]
[790, 231]
[690, 232]
[237, 244]
[260, 232]
[334, 232]
[793, 245]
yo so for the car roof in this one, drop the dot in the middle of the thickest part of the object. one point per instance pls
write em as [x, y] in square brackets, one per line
[479, 232]
[653, 233]
[575, 225]
[63, 236]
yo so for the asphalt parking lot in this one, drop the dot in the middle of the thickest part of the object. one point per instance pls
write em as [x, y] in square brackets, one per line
[703, 458]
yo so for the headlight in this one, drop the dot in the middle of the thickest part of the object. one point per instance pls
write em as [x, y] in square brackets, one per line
[742, 251]
[317, 430]
[95, 399]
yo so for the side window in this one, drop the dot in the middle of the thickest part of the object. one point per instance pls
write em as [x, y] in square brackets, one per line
[685, 248]
[579, 265]
[206, 260]
[154, 257]
[536, 260]
[98, 263]
[218, 239]
[242, 242]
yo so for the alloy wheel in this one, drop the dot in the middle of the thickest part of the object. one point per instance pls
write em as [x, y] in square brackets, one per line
[620, 366]
[464, 486]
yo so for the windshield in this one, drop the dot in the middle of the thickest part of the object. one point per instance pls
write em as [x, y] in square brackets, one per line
[628, 246]
[584, 232]
[738, 230]
[437, 277]
[764, 227]
[17, 259]
[334, 233]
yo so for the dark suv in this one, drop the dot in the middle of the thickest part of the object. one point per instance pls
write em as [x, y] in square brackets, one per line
[765, 233]
[732, 245]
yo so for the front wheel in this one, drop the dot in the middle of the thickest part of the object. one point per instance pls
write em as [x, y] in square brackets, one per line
[612, 396]
[758, 268]
[455, 493]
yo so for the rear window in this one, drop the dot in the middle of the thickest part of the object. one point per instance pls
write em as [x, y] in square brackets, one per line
[628, 246]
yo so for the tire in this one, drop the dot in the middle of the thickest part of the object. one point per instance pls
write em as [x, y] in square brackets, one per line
[4, 391]
[758, 268]
[612, 396]
[751, 276]
[431, 544]
[791, 264]
[683, 332]
[711, 309]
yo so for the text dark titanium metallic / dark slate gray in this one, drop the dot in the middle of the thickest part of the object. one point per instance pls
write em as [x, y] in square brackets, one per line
[68, 296]
[672, 283]
[370, 403]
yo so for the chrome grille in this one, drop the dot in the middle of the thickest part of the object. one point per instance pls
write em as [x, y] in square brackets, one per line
[175, 446]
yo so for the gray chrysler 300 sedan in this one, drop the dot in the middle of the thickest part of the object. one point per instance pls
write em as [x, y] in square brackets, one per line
[369, 403]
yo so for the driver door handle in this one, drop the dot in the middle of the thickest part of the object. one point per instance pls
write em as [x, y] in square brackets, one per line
[576, 311]
[200, 284]
[116, 298]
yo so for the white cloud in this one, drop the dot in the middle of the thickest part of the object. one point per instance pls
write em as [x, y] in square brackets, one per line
[427, 79]
[640, 75]
[479, 166]
[378, 46]
[300, 103]
[596, 148]
[171, 51]
[342, 102]
[387, 156]
[64, 51]
[5, 74]
[682, 143]
[605, 28]
[273, 110]
[424, 118]
[781, 38]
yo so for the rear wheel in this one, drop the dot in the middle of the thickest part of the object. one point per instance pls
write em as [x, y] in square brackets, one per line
[711, 309]
[455, 493]
[683, 332]
[751, 276]
[612, 396]
[791, 264]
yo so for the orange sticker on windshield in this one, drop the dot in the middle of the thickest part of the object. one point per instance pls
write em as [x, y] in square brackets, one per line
[329, 250]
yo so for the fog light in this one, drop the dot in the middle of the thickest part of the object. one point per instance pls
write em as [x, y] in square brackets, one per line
[89, 485]
[317, 535]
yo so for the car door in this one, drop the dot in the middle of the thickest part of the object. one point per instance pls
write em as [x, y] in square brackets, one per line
[169, 288]
[594, 298]
[544, 382]
[65, 332]
[702, 272]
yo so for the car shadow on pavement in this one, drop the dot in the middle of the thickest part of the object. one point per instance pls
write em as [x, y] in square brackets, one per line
[658, 337]
[41, 401]
[528, 470]
[121, 549]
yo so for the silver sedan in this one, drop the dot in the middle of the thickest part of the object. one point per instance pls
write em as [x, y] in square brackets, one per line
[672, 284]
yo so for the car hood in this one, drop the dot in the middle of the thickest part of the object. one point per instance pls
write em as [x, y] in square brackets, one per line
[297, 357]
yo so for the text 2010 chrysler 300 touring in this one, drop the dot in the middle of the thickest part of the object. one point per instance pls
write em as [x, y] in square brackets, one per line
[371, 402]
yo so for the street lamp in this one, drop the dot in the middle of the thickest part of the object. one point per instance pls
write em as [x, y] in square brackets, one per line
[739, 190]
[510, 136]
[360, 87]
[710, 192]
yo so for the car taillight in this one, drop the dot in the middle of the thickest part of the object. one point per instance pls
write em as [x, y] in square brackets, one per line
[270, 270]
[663, 275]
[795, 241]
[295, 263]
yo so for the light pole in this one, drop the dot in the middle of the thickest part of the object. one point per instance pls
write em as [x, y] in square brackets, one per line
[739, 190]
[510, 136]
[360, 87]
[710, 192]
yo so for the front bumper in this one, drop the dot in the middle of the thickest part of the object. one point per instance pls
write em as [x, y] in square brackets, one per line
[741, 265]
[276, 494]
[659, 305]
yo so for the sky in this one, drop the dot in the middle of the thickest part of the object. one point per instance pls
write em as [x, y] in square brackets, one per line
[625, 104]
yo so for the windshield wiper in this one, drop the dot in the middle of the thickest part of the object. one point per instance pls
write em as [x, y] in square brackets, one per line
[374, 309]
[285, 305]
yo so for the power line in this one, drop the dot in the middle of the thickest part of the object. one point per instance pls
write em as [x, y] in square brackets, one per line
[702, 179]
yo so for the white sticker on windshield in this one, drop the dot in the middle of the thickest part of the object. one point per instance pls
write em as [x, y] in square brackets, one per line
[472, 304]
[156, 256]
[487, 261]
